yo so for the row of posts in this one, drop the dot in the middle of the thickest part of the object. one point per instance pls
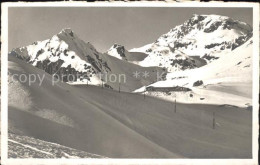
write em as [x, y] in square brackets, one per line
[175, 108]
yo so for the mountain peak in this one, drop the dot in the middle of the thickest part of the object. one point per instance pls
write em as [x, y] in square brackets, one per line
[207, 36]
[68, 32]
[117, 46]
[210, 23]
[118, 51]
[209, 16]
[64, 54]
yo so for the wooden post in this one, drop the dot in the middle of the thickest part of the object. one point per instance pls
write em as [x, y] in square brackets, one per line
[119, 88]
[175, 109]
[102, 84]
[87, 83]
[144, 92]
[214, 120]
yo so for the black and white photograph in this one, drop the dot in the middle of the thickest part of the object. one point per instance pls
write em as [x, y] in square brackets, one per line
[129, 82]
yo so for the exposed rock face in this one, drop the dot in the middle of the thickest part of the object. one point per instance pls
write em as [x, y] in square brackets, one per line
[119, 52]
[183, 63]
[198, 83]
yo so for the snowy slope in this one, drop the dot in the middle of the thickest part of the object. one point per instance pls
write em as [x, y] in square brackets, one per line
[28, 147]
[234, 70]
[141, 49]
[96, 120]
[235, 66]
[124, 71]
[207, 36]
[72, 116]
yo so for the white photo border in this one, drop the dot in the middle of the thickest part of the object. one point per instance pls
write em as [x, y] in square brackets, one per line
[4, 84]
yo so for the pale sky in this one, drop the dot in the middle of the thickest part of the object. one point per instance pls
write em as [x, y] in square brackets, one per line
[131, 27]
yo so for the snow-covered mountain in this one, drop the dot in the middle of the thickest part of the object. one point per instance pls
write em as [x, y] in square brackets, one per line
[207, 36]
[65, 54]
[119, 52]
[227, 80]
